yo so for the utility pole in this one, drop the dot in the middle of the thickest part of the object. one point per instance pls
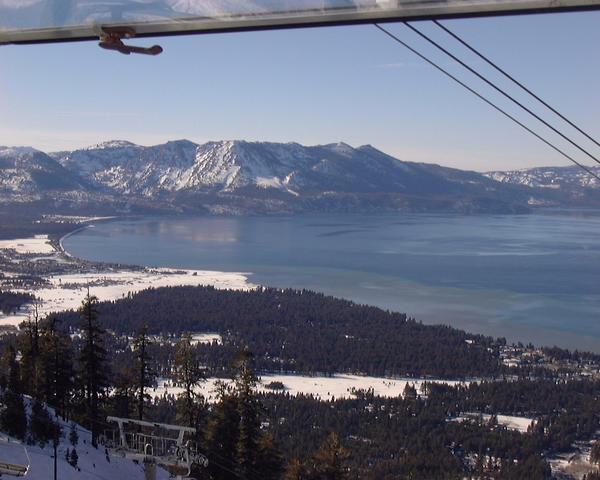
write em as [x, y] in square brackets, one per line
[149, 470]
[55, 443]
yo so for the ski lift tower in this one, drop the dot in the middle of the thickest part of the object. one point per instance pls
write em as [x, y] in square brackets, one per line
[155, 444]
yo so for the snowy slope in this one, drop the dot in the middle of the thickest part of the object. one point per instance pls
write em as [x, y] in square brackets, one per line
[183, 165]
[262, 177]
[92, 463]
[26, 170]
[549, 177]
[290, 168]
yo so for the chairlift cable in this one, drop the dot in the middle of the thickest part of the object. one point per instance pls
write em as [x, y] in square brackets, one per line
[230, 462]
[514, 80]
[489, 102]
[500, 90]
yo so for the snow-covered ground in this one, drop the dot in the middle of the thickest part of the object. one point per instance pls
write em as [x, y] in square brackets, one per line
[206, 338]
[37, 244]
[520, 424]
[324, 388]
[68, 291]
[92, 463]
[576, 463]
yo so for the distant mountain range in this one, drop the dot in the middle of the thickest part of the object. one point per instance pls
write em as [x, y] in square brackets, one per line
[238, 177]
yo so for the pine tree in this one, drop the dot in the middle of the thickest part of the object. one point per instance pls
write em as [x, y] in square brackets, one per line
[145, 375]
[410, 392]
[93, 364]
[189, 375]
[73, 458]
[221, 434]
[73, 436]
[248, 409]
[296, 470]
[13, 419]
[56, 356]
[269, 461]
[124, 396]
[42, 428]
[233, 435]
[329, 462]
[595, 452]
[29, 345]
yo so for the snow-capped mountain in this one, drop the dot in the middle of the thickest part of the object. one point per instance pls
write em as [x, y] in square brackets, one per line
[549, 177]
[127, 168]
[261, 177]
[26, 170]
[253, 169]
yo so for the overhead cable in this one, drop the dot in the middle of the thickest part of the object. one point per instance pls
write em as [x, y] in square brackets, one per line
[514, 80]
[489, 102]
[500, 90]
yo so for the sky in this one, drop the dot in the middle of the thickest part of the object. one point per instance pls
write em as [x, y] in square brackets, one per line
[313, 86]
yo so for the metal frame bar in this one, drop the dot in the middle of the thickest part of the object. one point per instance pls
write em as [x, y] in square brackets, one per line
[302, 19]
[144, 423]
[14, 469]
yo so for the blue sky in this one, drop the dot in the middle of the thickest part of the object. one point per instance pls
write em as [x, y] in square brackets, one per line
[312, 86]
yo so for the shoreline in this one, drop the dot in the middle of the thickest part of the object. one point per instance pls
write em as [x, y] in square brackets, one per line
[88, 224]
[470, 317]
[513, 330]
[66, 284]
[62, 248]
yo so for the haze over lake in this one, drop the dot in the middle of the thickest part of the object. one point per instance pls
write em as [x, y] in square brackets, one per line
[524, 277]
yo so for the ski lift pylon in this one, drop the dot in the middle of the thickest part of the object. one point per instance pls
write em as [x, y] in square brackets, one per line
[155, 443]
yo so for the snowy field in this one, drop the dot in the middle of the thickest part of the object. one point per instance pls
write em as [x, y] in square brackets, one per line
[206, 338]
[324, 388]
[37, 244]
[67, 291]
[519, 424]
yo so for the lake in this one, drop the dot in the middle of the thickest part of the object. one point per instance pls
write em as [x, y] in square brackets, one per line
[524, 277]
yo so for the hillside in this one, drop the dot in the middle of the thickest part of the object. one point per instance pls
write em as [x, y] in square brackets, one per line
[29, 173]
[301, 331]
[571, 184]
[92, 463]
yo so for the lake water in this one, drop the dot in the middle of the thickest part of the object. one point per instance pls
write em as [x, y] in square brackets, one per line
[524, 277]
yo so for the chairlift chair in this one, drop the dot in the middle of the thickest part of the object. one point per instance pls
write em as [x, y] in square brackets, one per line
[8, 467]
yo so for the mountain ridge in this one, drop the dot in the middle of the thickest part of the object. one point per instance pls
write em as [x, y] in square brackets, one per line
[242, 177]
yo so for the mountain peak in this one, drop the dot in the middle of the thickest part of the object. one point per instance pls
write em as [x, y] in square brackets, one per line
[369, 148]
[111, 144]
[11, 151]
[181, 141]
[252, 176]
[341, 148]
